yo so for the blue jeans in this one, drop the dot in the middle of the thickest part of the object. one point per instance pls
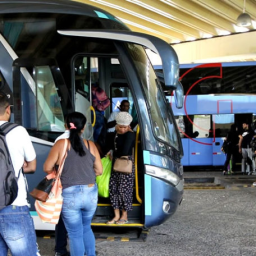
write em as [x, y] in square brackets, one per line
[79, 205]
[17, 232]
[98, 125]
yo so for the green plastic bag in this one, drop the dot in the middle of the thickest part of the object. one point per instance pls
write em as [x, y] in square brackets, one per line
[103, 180]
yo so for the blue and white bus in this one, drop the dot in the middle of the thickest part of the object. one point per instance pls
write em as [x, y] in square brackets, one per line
[49, 51]
[215, 96]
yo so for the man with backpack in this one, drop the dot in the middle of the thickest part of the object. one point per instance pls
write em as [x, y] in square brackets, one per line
[17, 228]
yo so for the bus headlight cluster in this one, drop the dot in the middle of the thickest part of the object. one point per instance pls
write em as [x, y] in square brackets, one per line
[163, 174]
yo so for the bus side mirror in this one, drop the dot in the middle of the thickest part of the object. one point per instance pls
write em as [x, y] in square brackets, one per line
[179, 95]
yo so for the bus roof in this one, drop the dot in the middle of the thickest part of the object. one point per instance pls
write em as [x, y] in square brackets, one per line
[56, 6]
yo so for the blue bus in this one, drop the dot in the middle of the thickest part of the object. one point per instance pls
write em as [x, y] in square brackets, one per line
[215, 96]
[49, 51]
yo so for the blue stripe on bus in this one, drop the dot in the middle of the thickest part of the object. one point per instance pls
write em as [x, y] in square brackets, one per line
[148, 208]
[101, 15]
[146, 157]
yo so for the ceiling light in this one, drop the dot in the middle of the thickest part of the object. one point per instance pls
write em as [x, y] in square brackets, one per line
[244, 19]
[240, 29]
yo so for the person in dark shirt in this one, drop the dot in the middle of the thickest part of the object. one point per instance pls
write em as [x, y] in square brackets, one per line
[245, 149]
[232, 140]
[121, 185]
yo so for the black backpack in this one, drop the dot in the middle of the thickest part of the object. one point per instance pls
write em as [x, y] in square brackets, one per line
[8, 180]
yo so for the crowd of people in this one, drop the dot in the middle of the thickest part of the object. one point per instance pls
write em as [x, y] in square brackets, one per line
[78, 178]
[242, 142]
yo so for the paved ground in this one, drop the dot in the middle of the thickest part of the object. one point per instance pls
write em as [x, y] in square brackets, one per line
[209, 222]
[216, 178]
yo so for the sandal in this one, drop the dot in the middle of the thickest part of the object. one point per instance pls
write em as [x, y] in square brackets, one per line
[121, 222]
[113, 221]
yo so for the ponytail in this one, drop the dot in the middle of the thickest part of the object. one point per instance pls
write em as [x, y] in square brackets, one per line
[75, 123]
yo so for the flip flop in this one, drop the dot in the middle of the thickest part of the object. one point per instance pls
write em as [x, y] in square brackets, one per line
[112, 221]
[121, 222]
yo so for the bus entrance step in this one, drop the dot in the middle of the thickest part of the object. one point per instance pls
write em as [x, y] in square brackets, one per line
[122, 234]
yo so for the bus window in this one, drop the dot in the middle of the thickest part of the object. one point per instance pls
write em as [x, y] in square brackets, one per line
[49, 112]
[121, 92]
[181, 125]
[202, 126]
[86, 75]
[163, 123]
[82, 77]
[116, 71]
[196, 126]
[222, 123]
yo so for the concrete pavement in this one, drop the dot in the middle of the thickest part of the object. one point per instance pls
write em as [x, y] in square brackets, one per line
[209, 222]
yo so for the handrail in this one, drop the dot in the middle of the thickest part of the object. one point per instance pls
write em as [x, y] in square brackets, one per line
[136, 165]
[94, 115]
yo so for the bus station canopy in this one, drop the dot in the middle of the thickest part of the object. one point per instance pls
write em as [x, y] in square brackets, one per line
[200, 24]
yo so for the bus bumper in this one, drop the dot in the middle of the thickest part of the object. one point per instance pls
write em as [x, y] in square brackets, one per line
[161, 200]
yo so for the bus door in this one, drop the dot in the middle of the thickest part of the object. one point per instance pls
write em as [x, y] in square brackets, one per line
[221, 123]
[85, 73]
[104, 71]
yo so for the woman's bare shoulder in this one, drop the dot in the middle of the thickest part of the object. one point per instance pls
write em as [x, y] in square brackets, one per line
[61, 142]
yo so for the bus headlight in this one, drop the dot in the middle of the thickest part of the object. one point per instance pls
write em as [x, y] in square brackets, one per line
[163, 174]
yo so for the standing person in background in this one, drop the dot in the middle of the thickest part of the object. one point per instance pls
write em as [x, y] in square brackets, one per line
[80, 192]
[121, 185]
[254, 154]
[17, 230]
[245, 149]
[124, 106]
[61, 241]
[100, 102]
[232, 140]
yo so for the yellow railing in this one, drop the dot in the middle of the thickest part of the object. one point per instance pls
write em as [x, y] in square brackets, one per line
[136, 165]
[94, 115]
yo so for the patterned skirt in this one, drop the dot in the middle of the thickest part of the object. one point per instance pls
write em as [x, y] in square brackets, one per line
[121, 189]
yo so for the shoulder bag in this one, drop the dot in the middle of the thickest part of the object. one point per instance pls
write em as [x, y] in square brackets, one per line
[49, 211]
[122, 164]
[42, 190]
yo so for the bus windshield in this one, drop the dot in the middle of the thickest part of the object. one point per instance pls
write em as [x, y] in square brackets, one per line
[163, 124]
